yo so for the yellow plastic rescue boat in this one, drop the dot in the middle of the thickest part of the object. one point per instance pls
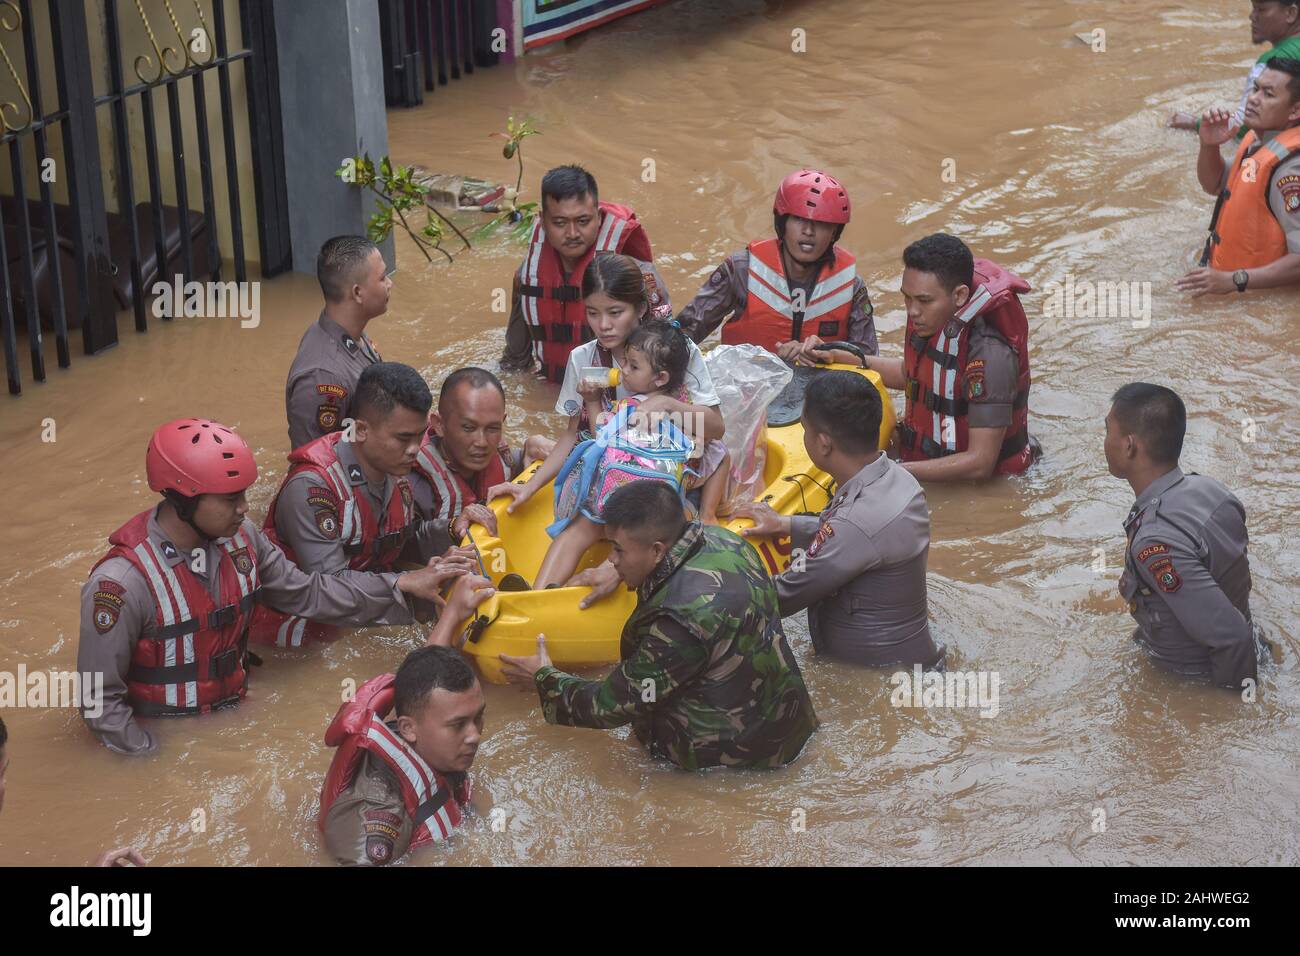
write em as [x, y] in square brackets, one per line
[509, 621]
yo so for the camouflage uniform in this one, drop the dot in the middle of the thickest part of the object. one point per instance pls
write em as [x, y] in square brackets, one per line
[706, 678]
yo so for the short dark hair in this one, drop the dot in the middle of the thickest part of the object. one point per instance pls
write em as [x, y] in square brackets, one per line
[476, 377]
[665, 347]
[425, 670]
[385, 385]
[568, 182]
[943, 256]
[650, 509]
[1156, 415]
[338, 262]
[846, 406]
[1289, 66]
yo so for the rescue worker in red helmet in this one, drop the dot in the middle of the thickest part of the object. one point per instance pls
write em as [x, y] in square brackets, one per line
[164, 613]
[797, 286]
[547, 317]
[965, 365]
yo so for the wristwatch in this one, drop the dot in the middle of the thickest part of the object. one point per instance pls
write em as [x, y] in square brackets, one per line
[1240, 278]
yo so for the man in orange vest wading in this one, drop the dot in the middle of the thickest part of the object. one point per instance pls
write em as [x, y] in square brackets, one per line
[1254, 237]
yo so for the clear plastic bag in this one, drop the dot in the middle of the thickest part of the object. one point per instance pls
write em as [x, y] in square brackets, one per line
[747, 378]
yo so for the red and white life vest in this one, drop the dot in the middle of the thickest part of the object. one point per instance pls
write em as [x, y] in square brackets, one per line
[195, 663]
[369, 545]
[435, 806]
[934, 421]
[552, 301]
[770, 315]
[1244, 233]
[452, 492]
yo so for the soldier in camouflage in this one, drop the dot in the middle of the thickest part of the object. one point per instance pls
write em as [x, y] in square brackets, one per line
[706, 677]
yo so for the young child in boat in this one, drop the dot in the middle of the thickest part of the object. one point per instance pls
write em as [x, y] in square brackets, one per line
[615, 300]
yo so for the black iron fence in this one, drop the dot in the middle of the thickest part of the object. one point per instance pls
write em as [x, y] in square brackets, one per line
[73, 265]
[426, 43]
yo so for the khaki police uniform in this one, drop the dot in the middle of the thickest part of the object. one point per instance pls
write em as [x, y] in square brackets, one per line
[1187, 579]
[862, 571]
[345, 598]
[323, 378]
[307, 518]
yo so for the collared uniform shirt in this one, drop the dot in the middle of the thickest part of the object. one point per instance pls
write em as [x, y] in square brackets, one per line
[1187, 579]
[349, 598]
[323, 378]
[307, 520]
[861, 573]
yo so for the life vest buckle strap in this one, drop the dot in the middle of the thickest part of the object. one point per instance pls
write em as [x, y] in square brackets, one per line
[176, 674]
[561, 333]
[179, 629]
[954, 407]
[566, 293]
[225, 663]
[932, 449]
[945, 359]
[532, 291]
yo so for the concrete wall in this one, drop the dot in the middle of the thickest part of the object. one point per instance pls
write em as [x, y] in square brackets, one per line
[332, 97]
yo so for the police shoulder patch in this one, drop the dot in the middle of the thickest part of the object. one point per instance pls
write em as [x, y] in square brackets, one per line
[327, 522]
[379, 849]
[1289, 189]
[243, 561]
[824, 534]
[335, 392]
[327, 417]
[1152, 550]
[1166, 578]
[107, 606]
[974, 385]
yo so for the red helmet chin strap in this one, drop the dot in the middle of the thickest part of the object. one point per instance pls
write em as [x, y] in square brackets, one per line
[185, 507]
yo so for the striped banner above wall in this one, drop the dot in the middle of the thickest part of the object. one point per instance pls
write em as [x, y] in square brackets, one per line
[546, 21]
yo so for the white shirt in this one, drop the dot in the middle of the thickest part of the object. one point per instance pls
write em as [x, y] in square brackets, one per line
[699, 384]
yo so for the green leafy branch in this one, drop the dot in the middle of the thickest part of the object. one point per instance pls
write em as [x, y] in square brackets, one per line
[397, 193]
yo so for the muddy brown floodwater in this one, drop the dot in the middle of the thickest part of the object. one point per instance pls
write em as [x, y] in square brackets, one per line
[1062, 169]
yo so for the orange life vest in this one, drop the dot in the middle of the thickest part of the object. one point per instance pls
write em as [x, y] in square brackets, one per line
[435, 805]
[1244, 233]
[552, 301]
[934, 421]
[196, 662]
[770, 315]
[370, 545]
[452, 493]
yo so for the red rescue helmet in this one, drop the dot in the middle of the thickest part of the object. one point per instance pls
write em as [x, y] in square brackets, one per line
[811, 194]
[196, 456]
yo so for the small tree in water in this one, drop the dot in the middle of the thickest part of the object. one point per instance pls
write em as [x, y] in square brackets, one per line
[521, 215]
[397, 192]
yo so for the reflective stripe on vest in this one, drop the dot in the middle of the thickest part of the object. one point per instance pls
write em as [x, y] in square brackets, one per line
[169, 598]
[446, 489]
[945, 373]
[828, 294]
[426, 801]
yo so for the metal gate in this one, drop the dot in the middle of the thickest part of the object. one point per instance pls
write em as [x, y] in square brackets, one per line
[64, 265]
[428, 42]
